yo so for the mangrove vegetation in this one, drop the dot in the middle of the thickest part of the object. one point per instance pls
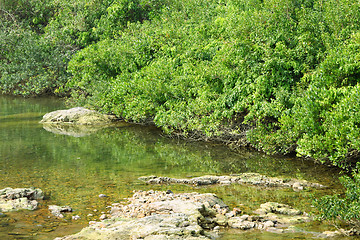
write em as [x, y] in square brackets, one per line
[281, 76]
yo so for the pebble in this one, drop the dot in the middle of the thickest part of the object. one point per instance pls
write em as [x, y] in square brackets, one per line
[102, 196]
[76, 217]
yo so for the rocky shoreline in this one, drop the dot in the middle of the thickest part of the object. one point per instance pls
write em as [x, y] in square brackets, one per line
[164, 215]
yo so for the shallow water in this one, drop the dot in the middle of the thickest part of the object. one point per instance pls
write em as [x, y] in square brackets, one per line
[75, 170]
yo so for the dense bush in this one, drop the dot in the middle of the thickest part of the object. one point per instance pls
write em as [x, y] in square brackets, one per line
[287, 69]
[30, 64]
[346, 207]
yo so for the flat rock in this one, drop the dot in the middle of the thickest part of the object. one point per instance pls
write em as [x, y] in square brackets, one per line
[158, 215]
[281, 213]
[77, 115]
[243, 178]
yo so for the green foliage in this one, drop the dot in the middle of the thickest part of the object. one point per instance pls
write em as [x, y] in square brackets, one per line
[346, 207]
[29, 64]
[289, 68]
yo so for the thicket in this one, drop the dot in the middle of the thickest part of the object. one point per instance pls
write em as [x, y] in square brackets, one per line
[288, 70]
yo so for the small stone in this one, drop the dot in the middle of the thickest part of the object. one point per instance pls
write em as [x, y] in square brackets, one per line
[76, 217]
[103, 217]
[297, 186]
[268, 224]
[217, 228]
[90, 215]
[169, 192]
[57, 210]
[102, 196]
[92, 222]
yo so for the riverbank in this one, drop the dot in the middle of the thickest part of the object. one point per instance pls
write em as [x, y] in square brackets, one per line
[74, 171]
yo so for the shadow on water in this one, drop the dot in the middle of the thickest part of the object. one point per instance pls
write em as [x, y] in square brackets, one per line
[75, 170]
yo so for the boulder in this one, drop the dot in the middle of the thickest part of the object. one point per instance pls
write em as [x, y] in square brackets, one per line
[19, 198]
[78, 115]
[29, 193]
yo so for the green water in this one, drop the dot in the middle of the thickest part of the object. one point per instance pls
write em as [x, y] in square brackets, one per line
[75, 170]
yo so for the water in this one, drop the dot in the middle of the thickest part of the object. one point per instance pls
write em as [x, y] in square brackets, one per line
[75, 170]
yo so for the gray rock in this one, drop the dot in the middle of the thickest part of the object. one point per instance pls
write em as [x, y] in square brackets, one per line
[281, 213]
[76, 217]
[58, 210]
[238, 222]
[243, 178]
[19, 198]
[17, 204]
[273, 207]
[159, 215]
[77, 115]
[29, 193]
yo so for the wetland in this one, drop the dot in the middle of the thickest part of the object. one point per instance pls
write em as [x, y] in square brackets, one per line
[75, 170]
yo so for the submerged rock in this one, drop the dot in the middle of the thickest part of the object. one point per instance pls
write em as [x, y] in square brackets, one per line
[19, 198]
[243, 178]
[74, 130]
[78, 115]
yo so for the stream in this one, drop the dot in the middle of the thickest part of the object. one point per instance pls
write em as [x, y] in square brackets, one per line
[75, 170]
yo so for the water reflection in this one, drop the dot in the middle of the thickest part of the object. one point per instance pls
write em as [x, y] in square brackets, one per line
[75, 170]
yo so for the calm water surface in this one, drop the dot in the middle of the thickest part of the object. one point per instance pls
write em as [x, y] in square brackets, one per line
[75, 170]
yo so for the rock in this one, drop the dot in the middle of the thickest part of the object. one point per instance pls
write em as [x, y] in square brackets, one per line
[77, 115]
[157, 226]
[163, 215]
[268, 224]
[160, 215]
[76, 217]
[103, 217]
[329, 234]
[57, 210]
[29, 193]
[281, 213]
[238, 222]
[273, 207]
[74, 130]
[243, 178]
[297, 186]
[16, 204]
[102, 196]
[19, 198]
